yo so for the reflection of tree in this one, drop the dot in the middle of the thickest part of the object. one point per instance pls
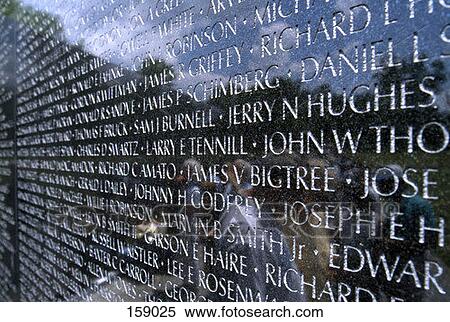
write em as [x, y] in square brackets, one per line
[9, 8]
[291, 89]
[416, 71]
[153, 67]
[39, 21]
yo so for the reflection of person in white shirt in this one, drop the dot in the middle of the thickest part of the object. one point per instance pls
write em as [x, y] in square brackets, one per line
[244, 215]
[247, 219]
[192, 187]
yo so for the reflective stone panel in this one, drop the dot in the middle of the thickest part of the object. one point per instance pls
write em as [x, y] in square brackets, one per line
[8, 223]
[224, 150]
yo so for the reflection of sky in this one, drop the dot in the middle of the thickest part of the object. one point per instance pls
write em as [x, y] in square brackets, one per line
[429, 27]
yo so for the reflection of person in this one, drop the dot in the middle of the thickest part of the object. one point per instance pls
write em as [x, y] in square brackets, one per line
[261, 224]
[243, 215]
[190, 186]
[408, 211]
[361, 230]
